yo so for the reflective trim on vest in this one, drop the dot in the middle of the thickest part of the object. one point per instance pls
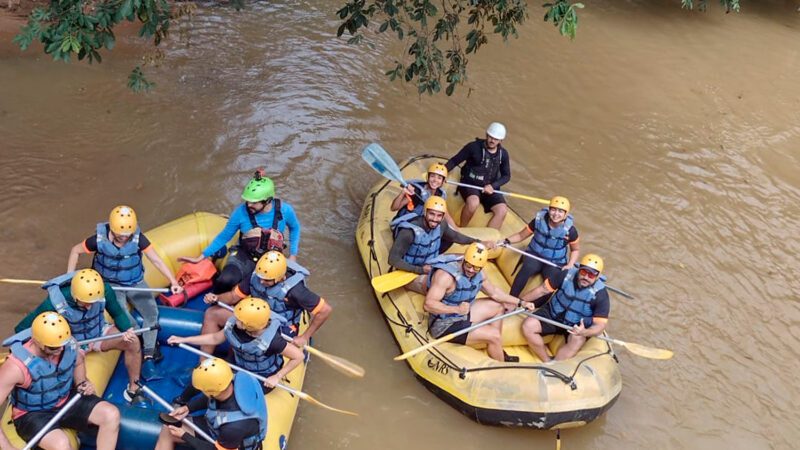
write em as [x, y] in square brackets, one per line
[550, 243]
[486, 172]
[276, 295]
[83, 323]
[573, 304]
[50, 383]
[252, 405]
[426, 243]
[119, 265]
[253, 355]
[466, 288]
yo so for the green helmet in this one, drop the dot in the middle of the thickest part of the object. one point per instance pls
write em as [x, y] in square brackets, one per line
[259, 189]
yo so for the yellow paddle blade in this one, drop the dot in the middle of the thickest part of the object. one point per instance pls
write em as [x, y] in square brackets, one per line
[646, 352]
[392, 280]
[3, 356]
[340, 364]
[316, 402]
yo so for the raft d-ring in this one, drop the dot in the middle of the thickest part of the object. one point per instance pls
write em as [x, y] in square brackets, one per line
[572, 384]
[462, 373]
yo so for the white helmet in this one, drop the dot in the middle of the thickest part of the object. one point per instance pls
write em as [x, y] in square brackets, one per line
[496, 130]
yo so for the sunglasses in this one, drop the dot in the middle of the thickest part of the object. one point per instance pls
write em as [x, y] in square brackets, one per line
[51, 349]
[589, 273]
[471, 267]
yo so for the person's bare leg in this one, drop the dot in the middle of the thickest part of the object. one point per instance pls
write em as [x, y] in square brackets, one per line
[213, 321]
[493, 340]
[55, 440]
[419, 285]
[499, 212]
[532, 330]
[470, 206]
[571, 348]
[106, 417]
[165, 440]
[132, 352]
[490, 334]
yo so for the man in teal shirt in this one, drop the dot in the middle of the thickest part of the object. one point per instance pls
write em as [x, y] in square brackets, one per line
[82, 297]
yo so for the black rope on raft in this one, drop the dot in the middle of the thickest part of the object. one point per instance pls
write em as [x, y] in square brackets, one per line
[581, 362]
[548, 371]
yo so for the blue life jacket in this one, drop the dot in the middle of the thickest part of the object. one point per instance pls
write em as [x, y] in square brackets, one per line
[466, 288]
[252, 405]
[426, 243]
[424, 194]
[84, 323]
[253, 355]
[50, 383]
[550, 243]
[117, 265]
[570, 304]
[275, 295]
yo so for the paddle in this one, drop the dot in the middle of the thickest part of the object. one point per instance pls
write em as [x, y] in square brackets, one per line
[117, 335]
[524, 253]
[150, 393]
[300, 394]
[447, 337]
[380, 160]
[4, 355]
[510, 194]
[340, 364]
[392, 280]
[636, 349]
[116, 288]
[46, 429]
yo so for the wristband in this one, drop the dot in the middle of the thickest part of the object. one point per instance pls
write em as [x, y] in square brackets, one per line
[519, 304]
[506, 241]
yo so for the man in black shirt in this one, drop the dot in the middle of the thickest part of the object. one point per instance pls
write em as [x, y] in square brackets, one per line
[487, 165]
[236, 413]
[579, 299]
[418, 239]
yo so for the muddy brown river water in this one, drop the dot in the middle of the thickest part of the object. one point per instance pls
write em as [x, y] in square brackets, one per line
[674, 134]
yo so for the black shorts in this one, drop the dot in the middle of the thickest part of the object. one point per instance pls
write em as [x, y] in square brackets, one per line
[239, 258]
[201, 423]
[455, 327]
[487, 200]
[77, 418]
[547, 328]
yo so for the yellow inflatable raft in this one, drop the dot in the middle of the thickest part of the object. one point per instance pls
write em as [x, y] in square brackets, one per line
[185, 236]
[526, 394]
